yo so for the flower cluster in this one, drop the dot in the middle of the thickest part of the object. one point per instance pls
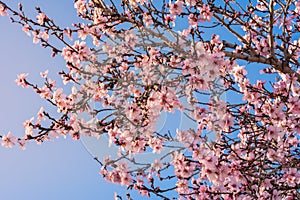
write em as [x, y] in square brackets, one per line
[130, 63]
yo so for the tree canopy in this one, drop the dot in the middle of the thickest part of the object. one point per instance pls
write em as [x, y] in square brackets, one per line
[230, 67]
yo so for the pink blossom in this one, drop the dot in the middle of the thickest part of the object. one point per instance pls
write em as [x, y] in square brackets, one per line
[44, 35]
[67, 31]
[182, 186]
[96, 41]
[170, 18]
[297, 4]
[135, 3]
[156, 165]
[176, 8]
[54, 134]
[147, 18]
[80, 52]
[45, 92]
[261, 6]
[41, 115]
[3, 11]
[125, 178]
[193, 20]
[83, 32]
[67, 54]
[8, 140]
[190, 2]
[29, 131]
[26, 29]
[41, 17]
[21, 80]
[22, 142]
[156, 144]
[205, 12]
[274, 132]
[215, 39]
[182, 168]
[44, 74]
[80, 6]
[145, 193]
[36, 37]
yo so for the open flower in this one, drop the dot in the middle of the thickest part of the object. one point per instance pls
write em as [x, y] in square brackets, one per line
[21, 80]
[41, 18]
[8, 140]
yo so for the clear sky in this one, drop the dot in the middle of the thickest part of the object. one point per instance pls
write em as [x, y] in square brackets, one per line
[54, 170]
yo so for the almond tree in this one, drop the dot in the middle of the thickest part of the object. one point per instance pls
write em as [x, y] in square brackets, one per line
[128, 61]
